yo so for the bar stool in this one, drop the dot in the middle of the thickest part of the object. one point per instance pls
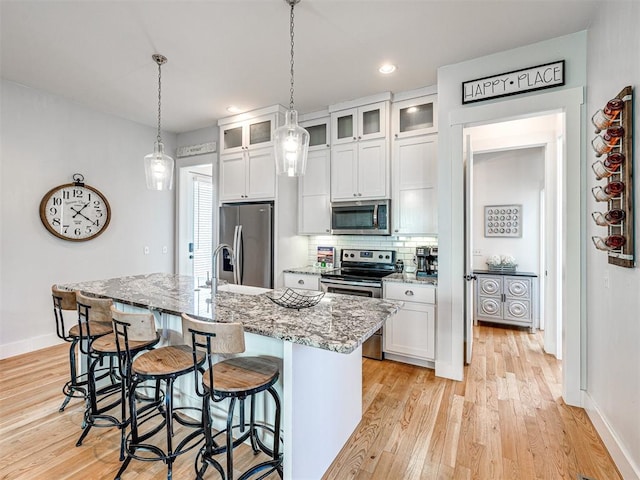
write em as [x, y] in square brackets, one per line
[102, 399]
[237, 378]
[164, 364]
[65, 300]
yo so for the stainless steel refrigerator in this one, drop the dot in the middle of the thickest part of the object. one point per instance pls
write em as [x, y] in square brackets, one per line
[248, 228]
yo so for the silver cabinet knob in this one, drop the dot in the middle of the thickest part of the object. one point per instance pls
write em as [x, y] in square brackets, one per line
[355, 194]
[409, 293]
[300, 282]
[359, 194]
[396, 230]
[327, 230]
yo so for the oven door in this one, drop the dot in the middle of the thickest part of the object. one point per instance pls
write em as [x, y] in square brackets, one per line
[346, 287]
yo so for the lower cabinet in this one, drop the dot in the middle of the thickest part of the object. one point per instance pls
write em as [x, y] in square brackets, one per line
[302, 281]
[507, 299]
[409, 336]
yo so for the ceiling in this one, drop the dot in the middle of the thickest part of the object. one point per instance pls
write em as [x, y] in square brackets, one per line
[236, 52]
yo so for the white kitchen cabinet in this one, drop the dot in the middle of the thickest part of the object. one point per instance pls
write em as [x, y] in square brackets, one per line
[301, 281]
[414, 169]
[409, 336]
[247, 164]
[359, 123]
[314, 187]
[360, 168]
[248, 176]
[507, 299]
[415, 116]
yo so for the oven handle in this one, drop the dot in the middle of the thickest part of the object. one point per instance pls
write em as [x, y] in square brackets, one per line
[349, 283]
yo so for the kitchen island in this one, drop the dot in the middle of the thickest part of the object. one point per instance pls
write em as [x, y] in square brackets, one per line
[319, 350]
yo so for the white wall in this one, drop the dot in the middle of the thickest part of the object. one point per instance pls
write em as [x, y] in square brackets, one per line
[45, 140]
[505, 178]
[613, 354]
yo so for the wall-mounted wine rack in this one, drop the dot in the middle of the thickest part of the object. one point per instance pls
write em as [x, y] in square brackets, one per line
[614, 164]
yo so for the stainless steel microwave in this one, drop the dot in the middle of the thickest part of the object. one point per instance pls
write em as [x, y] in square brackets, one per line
[366, 217]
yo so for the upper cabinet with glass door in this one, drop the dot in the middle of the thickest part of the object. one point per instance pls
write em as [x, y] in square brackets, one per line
[250, 130]
[415, 116]
[359, 123]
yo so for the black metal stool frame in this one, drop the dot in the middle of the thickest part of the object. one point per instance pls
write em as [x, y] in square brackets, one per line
[211, 447]
[164, 407]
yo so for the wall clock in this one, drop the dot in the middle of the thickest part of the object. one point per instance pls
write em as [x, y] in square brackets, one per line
[75, 211]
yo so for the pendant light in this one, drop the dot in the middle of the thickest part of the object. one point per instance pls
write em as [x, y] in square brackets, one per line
[291, 141]
[158, 166]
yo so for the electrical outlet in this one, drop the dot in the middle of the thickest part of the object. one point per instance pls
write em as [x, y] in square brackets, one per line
[146, 250]
[477, 251]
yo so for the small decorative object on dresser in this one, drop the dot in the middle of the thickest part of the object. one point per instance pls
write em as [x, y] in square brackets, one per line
[75, 211]
[502, 263]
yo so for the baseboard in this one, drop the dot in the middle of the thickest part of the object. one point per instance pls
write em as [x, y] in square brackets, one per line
[621, 457]
[410, 360]
[28, 345]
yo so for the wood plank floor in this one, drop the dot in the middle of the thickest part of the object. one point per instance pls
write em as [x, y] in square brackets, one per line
[506, 420]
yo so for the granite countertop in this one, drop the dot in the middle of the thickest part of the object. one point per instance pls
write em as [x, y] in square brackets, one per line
[339, 323]
[308, 270]
[405, 278]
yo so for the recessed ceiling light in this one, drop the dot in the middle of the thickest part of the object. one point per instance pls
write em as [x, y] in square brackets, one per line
[387, 68]
[234, 109]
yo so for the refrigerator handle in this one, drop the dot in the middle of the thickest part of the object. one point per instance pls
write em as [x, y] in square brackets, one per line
[236, 252]
[239, 256]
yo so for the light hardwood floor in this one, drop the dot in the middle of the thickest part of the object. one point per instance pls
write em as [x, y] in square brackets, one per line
[506, 420]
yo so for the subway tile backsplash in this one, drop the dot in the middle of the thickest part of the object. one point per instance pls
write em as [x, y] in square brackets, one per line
[404, 246]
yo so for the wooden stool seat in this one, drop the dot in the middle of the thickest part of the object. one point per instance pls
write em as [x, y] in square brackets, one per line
[95, 329]
[170, 360]
[242, 374]
[107, 344]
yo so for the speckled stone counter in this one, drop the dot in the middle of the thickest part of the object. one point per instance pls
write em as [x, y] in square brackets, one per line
[339, 323]
[308, 270]
[404, 278]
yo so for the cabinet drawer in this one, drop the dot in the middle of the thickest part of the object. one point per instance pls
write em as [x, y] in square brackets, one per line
[410, 292]
[301, 281]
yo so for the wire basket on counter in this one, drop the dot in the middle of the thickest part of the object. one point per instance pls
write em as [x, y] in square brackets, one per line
[292, 299]
[502, 268]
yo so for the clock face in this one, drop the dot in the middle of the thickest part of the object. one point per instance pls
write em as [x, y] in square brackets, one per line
[75, 212]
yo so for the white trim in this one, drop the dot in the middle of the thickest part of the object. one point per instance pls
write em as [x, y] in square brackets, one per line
[621, 457]
[418, 92]
[28, 345]
[358, 102]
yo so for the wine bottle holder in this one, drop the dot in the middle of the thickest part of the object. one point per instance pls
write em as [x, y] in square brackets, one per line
[622, 231]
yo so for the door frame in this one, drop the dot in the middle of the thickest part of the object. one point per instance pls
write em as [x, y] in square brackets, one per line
[451, 201]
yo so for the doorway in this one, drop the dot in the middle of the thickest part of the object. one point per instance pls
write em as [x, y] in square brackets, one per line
[518, 162]
[195, 220]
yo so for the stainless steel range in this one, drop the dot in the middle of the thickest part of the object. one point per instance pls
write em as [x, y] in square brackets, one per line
[361, 273]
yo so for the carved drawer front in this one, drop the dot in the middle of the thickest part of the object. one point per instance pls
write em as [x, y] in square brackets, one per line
[490, 307]
[490, 286]
[518, 287]
[517, 310]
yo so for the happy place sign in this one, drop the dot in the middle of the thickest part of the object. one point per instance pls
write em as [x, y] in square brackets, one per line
[511, 83]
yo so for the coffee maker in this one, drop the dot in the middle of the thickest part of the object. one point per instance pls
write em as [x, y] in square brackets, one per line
[427, 260]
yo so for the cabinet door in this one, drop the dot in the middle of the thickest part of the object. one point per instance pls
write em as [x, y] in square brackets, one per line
[232, 138]
[301, 281]
[489, 307]
[372, 121]
[517, 310]
[411, 331]
[232, 177]
[318, 133]
[414, 173]
[344, 171]
[417, 116]
[489, 285]
[372, 169]
[344, 128]
[261, 181]
[314, 206]
[517, 287]
[259, 132]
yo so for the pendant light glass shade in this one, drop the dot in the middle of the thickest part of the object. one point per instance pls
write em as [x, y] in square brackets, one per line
[291, 147]
[158, 168]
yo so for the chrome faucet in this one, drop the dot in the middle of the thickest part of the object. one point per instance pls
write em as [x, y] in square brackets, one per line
[214, 276]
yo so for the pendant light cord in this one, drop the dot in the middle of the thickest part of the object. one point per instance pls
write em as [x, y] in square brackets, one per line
[291, 34]
[159, 97]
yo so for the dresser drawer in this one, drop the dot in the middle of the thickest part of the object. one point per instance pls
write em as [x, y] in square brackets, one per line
[410, 292]
[301, 281]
